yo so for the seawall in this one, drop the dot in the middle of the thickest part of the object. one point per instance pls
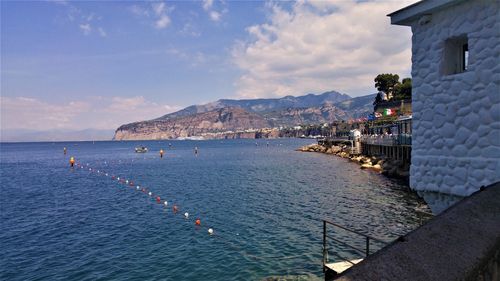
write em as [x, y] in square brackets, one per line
[395, 168]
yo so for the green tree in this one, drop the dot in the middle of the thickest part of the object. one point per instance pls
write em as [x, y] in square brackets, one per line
[386, 82]
[403, 90]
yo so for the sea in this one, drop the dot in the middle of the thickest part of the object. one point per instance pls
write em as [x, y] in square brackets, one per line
[264, 201]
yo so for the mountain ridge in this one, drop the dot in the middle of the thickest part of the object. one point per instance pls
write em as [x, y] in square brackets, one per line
[227, 115]
[262, 105]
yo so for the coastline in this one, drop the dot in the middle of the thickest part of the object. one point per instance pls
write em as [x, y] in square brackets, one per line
[381, 164]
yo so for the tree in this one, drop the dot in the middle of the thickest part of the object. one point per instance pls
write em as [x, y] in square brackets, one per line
[402, 90]
[386, 82]
[378, 99]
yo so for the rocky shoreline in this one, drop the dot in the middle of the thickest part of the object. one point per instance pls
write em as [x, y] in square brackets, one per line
[386, 166]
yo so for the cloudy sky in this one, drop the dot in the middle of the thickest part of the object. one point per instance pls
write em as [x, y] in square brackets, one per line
[90, 64]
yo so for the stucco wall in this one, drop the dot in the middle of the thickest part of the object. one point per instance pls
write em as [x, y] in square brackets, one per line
[456, 118]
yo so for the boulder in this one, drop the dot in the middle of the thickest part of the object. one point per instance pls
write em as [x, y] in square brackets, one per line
[366, 166]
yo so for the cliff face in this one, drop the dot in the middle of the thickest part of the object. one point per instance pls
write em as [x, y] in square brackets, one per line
[290, 117]
[218, 120]
[235, 118]
[263, 105]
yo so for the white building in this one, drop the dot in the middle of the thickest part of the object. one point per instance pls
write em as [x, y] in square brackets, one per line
[456, 94]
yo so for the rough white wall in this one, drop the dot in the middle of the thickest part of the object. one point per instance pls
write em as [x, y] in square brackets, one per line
[456, 118]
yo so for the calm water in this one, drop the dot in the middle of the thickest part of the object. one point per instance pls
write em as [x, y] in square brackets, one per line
[265, 204]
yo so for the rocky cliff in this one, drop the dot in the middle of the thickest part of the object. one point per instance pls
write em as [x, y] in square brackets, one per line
[218, 120]
[247, 118]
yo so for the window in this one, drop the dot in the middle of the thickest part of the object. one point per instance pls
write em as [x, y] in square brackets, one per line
[465, 58]
[456, 55]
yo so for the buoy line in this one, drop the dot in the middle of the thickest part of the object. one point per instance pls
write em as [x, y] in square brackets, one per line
[138, 187]
[165, 203]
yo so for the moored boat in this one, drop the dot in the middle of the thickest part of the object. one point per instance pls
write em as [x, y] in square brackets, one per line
[141, 149]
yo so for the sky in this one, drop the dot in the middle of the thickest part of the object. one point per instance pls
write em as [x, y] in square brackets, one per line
[99, 64]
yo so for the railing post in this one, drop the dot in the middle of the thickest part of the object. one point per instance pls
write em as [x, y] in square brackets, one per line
[324, 245]
[367, 246]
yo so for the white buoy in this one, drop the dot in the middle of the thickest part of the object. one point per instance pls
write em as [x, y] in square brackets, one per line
[186, 215]
[150, 193]
[106, 174]
[138, 187]
[126, 181]
[210, 231]
[118, 178]
[165, 203]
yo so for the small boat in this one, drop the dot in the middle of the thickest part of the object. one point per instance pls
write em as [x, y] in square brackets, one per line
[141, 149]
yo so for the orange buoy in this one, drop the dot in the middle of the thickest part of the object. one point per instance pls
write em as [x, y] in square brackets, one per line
[175, 209]
[161, 153]
[197, 222]
[72, 161]
[158, 199]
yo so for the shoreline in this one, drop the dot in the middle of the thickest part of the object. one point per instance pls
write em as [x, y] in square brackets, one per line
[388, 167]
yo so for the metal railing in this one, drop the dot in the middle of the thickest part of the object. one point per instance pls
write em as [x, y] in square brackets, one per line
[365, 251]
[388, 140]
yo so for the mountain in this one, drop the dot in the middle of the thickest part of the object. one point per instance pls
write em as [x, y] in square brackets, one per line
[358, 106]
[289, 117]
[228, 116]
[263, 105]
[217, 120]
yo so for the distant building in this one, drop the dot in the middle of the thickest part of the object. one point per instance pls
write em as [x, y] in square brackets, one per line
[456, 94]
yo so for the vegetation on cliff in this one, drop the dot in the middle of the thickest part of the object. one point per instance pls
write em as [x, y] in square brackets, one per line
[242, 118]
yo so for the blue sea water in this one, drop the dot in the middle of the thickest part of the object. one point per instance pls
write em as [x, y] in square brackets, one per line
[265, 203]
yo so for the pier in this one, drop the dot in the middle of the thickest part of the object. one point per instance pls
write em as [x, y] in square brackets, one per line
[394, 147]
[462, 243]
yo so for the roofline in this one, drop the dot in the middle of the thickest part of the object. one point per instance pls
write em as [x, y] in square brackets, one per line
[409, 13]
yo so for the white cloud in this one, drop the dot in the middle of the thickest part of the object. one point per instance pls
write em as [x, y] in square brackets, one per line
[86, 28]
[213, 13]
[139, 11]
[157, 12]
[162, 22]
[75, 14]
[215, 16]
[320, 46]
[207, 4]
[102, 33]
[190, 29]
[91, 112]
[30, 113]
[159, 8]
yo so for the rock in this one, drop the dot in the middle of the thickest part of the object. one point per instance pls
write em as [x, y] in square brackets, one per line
[366, 166]
[336, 149]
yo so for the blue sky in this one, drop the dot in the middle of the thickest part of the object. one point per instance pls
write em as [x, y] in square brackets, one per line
[90, 64]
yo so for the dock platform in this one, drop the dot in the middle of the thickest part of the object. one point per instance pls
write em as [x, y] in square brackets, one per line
[462, 243]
